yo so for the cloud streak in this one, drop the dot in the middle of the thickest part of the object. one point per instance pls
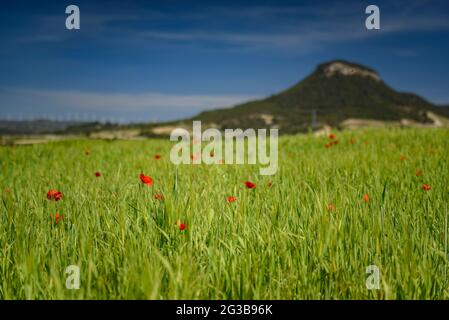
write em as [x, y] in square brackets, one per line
[106, 103]
[298, 28]
[303, 35]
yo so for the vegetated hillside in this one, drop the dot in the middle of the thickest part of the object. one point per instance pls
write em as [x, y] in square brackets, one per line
[335, 91]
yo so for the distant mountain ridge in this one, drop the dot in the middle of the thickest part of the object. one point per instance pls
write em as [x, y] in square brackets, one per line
[444, 110]
[42, 126]
[336, 91]
[34, 126]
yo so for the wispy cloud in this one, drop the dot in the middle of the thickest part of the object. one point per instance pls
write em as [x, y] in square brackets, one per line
[406, 53]
[298, 27]
[294, 28]
[104, 103]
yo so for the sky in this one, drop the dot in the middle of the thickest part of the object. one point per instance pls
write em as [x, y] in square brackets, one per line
[138, 61]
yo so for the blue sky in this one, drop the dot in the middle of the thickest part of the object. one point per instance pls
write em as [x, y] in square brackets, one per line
[160, 60]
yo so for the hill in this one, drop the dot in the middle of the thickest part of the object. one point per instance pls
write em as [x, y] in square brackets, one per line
[336, 91]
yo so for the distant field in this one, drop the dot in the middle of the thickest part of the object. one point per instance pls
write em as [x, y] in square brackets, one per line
[309, 232]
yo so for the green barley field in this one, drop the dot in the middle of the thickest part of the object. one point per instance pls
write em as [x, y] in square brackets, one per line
[308, 232]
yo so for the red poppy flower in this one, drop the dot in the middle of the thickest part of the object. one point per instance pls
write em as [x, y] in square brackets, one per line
[54, 195]
[328, 145]
[402, 158]
[332, 136]
[231, 199]
[425, 187]
[331, 207]
[250, 185]
[57, 217]
[146, 180]
[182, 226]
[157, 157]
[419, 173]
[365, 198]
[159, 196]
[87, 152]
[97, 174]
